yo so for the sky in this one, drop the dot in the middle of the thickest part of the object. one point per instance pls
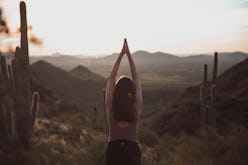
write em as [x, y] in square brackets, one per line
[97, 27]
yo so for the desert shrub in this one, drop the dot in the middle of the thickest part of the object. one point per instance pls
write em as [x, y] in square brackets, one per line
[236, 147]
[55, 109]
[95, 151]
[163, 149]
[148, 156]
[193, 150]
[211, 149]
[147, 136]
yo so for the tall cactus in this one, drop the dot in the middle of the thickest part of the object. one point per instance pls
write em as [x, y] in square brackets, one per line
[203, 97]
[215, 67]
[17, 113]
[208, 107]
[214, 89]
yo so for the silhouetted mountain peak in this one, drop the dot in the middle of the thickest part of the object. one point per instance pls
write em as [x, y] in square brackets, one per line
[66, 85]
[140, 52]
[80, 68]
[42, 62]
[85, 74]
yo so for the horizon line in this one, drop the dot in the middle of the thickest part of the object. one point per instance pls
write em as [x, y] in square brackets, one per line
[150, 52]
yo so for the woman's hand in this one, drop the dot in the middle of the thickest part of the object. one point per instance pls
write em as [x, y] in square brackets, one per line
[117, 62]
[123, 50]
[130, 59]
[126, 48]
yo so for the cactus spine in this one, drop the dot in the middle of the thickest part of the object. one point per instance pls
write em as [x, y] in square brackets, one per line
[17, 113]
[208, 107]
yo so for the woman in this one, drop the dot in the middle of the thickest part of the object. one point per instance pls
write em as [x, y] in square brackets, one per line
[123, 108]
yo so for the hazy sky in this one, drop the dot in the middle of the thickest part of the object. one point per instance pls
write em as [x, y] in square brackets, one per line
[93, 27]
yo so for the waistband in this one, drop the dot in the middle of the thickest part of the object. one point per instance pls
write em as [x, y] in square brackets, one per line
[123, 142]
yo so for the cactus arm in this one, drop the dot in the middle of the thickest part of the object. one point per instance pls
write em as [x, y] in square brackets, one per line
[215, 67]
[205, 77]
[213, 93]
[3, 129]
[2, 124]
[10, 112]
[34, 108]
[213, 89]
[1, 80]
[6, 100]
[203, 106]
[24, 36]
[202, 94]
[10, 76]
[213, 100]
[17, 81]
[9, 118]
[23, 57]
[4, 72]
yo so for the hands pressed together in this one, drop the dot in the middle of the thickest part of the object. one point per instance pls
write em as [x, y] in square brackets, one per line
[125, 49]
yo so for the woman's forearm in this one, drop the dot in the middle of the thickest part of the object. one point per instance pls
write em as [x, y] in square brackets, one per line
[112, 79]
[132, 64]
[136, 78]
[116, 66]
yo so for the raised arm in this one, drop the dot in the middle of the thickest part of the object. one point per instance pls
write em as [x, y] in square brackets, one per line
[131, 62]
[135, 77]
[112, 79]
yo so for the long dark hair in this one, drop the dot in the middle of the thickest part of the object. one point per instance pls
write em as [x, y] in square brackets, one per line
[123, 104]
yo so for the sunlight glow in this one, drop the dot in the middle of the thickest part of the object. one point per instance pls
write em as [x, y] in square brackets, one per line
[93, 27]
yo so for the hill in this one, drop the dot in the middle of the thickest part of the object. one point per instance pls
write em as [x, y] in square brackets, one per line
[85, 74]
[67, 62]
[145, 57]
[234, 82]
[232, 105]
[85, 93]
[140, 57]
[156, 64]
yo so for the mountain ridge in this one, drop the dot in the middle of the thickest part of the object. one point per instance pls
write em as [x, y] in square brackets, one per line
[183, 115]
[66, 86]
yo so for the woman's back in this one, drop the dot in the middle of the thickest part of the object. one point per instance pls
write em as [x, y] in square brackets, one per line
[123, 130]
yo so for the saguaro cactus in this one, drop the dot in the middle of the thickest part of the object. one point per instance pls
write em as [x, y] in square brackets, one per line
[18, 114]
[203, 97]
[208, 106]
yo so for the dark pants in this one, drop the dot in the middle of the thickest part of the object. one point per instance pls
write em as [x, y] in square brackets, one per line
[123, 152]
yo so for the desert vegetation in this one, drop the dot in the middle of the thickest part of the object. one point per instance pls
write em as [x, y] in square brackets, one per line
[183, 122]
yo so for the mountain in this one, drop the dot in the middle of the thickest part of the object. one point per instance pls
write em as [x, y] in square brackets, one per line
[232, 105]
[165, 57]
[160, 67]
[68, 62]
[85, 93]
[85, 74]
[46, 94]
[234, 81]
[144, 57]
